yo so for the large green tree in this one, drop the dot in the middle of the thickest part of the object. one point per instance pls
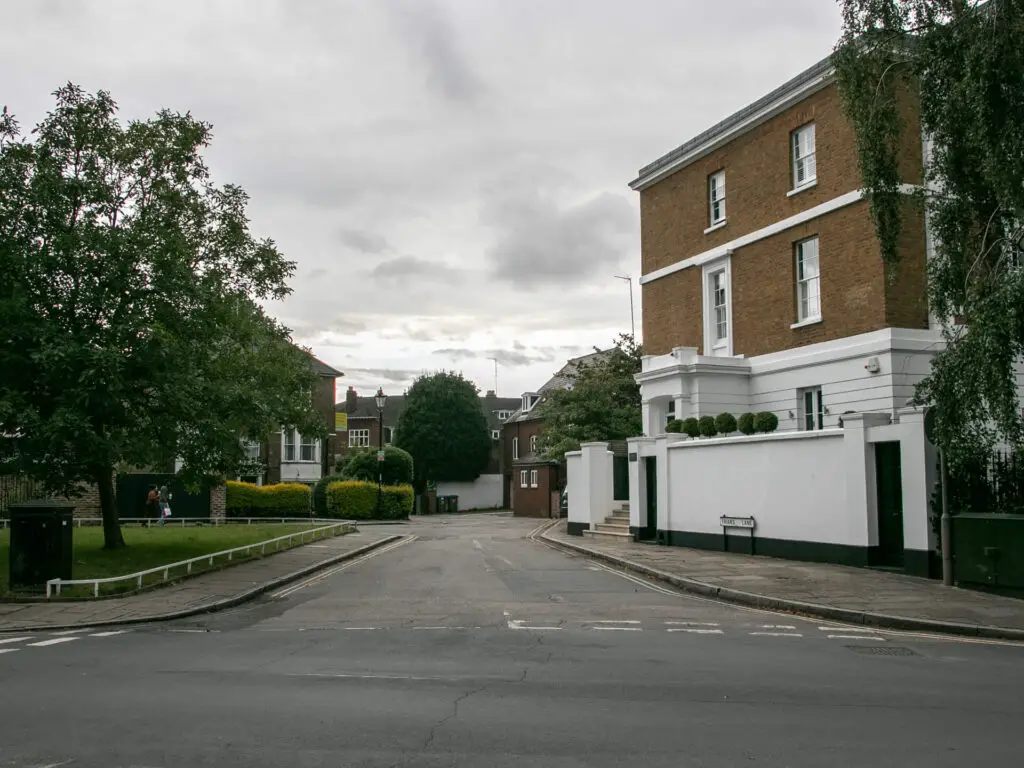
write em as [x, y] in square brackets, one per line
[602, 402]
[966, 60]
[444, 428]
[129, 290]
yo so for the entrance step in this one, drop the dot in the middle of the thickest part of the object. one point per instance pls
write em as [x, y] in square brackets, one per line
[617, 515]
[615, 534]
[610, 526]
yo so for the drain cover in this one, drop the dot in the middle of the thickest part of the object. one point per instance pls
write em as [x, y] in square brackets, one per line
[882, 650]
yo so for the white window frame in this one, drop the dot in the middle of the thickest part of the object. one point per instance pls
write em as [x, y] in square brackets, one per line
[252, 449]
[293, 445]
[713, 346]
[533, 443]
[804, 157]
[670, 412]
[359, 438]
[522, 478]
[806, 287]
[308, 447]
[288, 445]
[515, 448]
[812, 418]
[716, 199]
[533, 478]
[495, 434]
[504, 415]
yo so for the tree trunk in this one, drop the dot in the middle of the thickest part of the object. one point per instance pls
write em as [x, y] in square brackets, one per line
[112, 538]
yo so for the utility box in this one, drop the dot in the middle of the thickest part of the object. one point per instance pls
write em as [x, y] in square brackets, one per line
[41, 542]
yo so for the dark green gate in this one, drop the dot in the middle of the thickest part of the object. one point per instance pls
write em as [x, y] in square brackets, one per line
[620, 478]
[889, 485]
[650, 528]
[132, 490]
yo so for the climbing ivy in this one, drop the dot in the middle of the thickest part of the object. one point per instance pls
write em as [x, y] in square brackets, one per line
[966, 61]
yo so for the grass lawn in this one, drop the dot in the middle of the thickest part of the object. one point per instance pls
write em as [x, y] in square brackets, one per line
[152, 547]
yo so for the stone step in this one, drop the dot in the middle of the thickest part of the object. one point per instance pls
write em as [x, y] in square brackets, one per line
[608, 534]
[609, 525]
[620, 513]
[624, 505]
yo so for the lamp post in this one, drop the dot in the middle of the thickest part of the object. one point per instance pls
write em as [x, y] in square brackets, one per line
[632, 322]
[381, 400]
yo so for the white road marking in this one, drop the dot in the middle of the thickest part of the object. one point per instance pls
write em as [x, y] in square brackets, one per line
[846, 629]
[287, 591]
[477, 544]
[506, 561]
[56, 765]
[9, 650]
[692, 623]
[359, 629]
[518, 624]
[613, 621]
[856, 637]
[52, 641]
[777, 626]
[697, 631]
[440, 627]
[776, 634]
[69, 632]
[607, 628]
[14, 639]
[193, 631]
[110, 634]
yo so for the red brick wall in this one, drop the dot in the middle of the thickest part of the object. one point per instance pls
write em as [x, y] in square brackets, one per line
[535, 502]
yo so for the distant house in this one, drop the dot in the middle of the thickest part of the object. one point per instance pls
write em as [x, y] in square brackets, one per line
[359, 427]
[531, 483]
[290, 457]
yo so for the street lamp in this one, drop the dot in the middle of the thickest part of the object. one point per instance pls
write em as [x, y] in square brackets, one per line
[632, 323]
[381, 400]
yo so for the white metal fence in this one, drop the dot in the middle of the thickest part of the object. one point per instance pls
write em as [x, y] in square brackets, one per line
[54, 585]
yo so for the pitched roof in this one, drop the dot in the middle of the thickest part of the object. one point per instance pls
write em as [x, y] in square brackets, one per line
[366, 407]
[322, 368]
[561, 380]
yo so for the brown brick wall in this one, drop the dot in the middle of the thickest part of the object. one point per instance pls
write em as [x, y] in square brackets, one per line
[218, 502]
[857, 294]
[674, 212]
[534, 502]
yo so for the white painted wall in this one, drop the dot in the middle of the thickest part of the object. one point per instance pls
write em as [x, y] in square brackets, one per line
[483, 493]
[794, 485]
[300, 471]
[590, 483]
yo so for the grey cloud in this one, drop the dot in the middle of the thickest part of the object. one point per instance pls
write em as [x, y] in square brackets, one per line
[411, 267]
[393, 375]
[512, 358]
[538, 243]
[431, 33]
[366, 242]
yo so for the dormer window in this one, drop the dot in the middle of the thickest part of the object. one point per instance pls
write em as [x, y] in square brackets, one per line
[529, 400]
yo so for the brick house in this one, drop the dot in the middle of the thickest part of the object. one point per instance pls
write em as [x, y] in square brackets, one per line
[362, 424]
[532, 484]
[289, 457]
[763, 285]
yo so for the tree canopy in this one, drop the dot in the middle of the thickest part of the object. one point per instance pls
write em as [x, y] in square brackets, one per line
[967, 63]
[132, 333]
[601, 403]
[445, 430]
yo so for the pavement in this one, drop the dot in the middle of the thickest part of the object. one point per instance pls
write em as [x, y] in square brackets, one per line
[857, 595]
[207, 592]
[469, 643]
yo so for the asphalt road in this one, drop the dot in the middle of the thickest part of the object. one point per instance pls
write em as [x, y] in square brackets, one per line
[471, 645]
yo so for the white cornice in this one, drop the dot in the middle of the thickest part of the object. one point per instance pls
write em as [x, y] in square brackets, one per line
[717, 138]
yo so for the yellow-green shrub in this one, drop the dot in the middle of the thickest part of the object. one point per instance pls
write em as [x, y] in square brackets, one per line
[281, 500]
[357, 500]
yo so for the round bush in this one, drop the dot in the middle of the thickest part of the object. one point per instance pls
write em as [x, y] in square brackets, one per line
[357, 500]
[396, 469]
[745, 423]
[707, 426]
[674, 427]
[766, 422]
[725, 423]
[691, 427]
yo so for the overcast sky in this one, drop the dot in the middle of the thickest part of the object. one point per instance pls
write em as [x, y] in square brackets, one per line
[450, 175]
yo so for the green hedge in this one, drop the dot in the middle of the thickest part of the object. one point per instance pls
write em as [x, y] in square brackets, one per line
[320, 494]
[746, 423]
[691, 427]
[674, 427]
[706, 425]
[281, 500]
[725, 423]
[396, 468]
[357, 500]
[766, 422]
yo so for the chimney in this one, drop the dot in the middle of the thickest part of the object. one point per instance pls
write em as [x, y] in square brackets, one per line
[490, 393]
[351, 400]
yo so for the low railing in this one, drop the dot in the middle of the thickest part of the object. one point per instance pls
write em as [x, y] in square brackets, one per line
[80, 522]
[56, 584]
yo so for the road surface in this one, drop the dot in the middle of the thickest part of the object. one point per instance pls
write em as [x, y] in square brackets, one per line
[468, 644]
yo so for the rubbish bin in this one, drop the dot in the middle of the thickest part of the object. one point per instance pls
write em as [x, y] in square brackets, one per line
[41, 542]
[453, 505]
[442, 505]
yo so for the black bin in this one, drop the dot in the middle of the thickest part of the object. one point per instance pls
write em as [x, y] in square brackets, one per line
[41, 542]
[453, 504]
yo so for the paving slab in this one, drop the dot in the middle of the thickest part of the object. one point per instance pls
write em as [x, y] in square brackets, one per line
[199, 594]
[837, 592]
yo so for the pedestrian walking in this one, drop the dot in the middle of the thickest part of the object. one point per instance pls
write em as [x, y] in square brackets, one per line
[165, 504]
